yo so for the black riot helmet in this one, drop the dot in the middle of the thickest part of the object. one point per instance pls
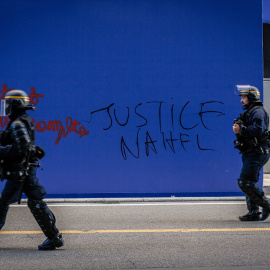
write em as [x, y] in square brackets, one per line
[251, 92]
[14, 102]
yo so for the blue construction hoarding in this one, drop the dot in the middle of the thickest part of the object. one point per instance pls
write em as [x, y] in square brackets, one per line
[266, 11]
[134, 98]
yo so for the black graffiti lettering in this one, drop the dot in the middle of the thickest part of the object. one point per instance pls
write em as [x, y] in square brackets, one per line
[171, 141]
[184, 141]
[166, 116]
[163, 139]
[172, 116]
[181, 116]
[201, 113]
[103, 109]
[201, 147]
[140, 115]
[149, 143]
[122, 125]
[124, 147]
[159, 112]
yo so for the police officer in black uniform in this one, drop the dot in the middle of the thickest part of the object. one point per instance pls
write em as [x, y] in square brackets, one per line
[251, 130]
[16, 142]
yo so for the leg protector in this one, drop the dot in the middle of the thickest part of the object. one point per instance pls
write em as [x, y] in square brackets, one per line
[44, 217]
[3, 213]
[252, 190]
[251, 206]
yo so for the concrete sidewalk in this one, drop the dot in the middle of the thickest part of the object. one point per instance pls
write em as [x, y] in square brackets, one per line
[140, 200]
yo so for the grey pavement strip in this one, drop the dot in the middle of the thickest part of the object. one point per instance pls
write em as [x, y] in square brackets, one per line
[265, 267]
[124, 200]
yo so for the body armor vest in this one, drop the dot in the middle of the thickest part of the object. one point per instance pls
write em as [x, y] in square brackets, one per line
[247, 144]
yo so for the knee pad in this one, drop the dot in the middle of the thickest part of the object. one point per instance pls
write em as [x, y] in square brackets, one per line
[249, 186]
[241, 182]
[37, 205]
[244, 185]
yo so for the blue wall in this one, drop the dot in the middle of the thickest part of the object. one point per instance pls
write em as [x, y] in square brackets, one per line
[133, 97]
[266, 11]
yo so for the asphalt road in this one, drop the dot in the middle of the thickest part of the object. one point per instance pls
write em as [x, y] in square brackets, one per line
[182, 235]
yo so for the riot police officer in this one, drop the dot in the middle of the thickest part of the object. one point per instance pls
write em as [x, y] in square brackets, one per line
[252, 139]
[16, 142]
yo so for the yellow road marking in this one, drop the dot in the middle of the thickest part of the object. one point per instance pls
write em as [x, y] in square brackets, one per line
[145, 231]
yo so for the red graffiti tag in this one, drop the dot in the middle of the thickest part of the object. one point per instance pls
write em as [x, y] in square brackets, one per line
[3, 121]
[63, 131]
[41, 126]
[5, 90]
[34, 96]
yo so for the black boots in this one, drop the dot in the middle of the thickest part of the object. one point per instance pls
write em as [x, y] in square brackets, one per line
[265, 214]
[251, 216]
[255, 216]
[51, 244]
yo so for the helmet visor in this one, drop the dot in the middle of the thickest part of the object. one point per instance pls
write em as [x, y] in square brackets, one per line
[242, 89]
[5, 108]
